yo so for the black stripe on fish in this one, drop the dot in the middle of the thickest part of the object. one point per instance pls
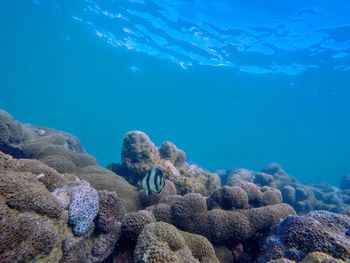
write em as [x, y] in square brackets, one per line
[156, 177]
[148, 177]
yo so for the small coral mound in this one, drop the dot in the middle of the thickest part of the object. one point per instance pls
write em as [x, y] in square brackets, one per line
[111, 210]
[139, 154]
[26, 235]
[133, 223]
[318, 231]
[161, 242]
[23, 192]
[302, 197]
[228, 198]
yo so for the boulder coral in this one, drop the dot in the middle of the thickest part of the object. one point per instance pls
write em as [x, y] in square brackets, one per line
[32, 221]
[133, 223]
[61, 206]
[318, 231]
[161, 242]
[62, 152]
[189, 213]
[228, 198]
[38, 205]
[111, 210]
[139, 154]
[302, 197]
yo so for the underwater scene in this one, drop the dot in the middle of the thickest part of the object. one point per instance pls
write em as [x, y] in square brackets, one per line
[183, 131]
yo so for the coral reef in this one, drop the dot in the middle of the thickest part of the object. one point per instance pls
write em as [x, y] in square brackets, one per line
[302, 197]
[161, 242]
[318, 231]
[133, 223]
[139, 154]
[61, 206]
[111, 210]
[38, 206]
[228, 198]
[147, 200]
[189, 213]
[83, 206]
[62, 152]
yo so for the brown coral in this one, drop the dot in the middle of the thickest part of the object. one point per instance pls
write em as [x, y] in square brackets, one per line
[161, 242]
[133, 223]
[25, 193]
[111, 209]
[147, 200]
[228, 198]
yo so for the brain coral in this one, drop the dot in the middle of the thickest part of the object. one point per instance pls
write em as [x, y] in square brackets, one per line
[161, 242]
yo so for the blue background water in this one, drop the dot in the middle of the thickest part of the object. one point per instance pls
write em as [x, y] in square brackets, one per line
[233, 83]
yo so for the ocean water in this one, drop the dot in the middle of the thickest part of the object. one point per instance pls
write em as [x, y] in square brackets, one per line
[232, 83]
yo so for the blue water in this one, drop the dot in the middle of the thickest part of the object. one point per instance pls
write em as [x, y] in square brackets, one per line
[233, 83]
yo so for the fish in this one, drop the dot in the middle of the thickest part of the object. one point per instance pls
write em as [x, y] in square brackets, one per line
[153, 182]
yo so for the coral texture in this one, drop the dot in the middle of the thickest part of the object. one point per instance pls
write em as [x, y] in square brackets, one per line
[139, 154]
[161, 242]
[189, 213]
[318, 231]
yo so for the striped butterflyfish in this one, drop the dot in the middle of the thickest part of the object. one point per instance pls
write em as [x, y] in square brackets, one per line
[153, 182]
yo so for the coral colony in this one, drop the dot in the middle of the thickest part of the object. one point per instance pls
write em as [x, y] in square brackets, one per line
[58, 205]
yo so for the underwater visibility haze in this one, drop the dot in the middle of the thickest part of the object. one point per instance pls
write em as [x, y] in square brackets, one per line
[233, 83]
